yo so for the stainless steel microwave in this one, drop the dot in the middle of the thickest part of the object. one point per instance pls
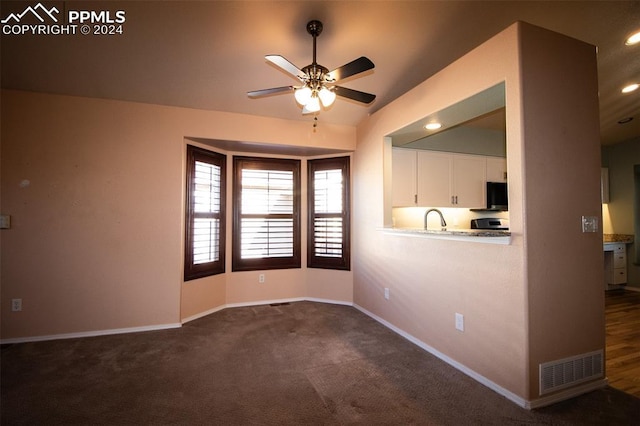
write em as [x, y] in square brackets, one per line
[497, 196]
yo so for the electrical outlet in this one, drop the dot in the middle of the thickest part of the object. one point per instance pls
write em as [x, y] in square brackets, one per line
[459, 322]
[386, 293]
[16, 305]
[261, 278]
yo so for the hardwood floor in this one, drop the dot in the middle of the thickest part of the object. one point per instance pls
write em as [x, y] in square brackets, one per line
[622, 312]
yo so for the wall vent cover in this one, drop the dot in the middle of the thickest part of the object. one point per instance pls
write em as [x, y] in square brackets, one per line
[563, 373]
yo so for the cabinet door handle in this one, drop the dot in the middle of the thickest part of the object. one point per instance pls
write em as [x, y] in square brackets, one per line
[415, 198]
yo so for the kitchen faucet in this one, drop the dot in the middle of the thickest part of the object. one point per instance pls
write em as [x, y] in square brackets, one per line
[442, 221]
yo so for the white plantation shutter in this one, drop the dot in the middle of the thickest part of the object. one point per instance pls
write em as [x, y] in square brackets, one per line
[204, 251]
[206, 229]
[327, 226]
[328, 245]
[206, 233]
[266, 224]
[328, 237]
[267, 213]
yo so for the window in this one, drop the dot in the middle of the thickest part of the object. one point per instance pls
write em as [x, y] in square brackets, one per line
[266, 220]
[328, 224]
[205, 213]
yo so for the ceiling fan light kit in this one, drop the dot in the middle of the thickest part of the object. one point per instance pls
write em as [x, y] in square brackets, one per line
[303, 95]
[326, 97]
[312, 106]
[318, 89]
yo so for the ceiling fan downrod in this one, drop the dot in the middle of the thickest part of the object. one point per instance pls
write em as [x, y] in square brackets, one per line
[315, 71]
[315, 29]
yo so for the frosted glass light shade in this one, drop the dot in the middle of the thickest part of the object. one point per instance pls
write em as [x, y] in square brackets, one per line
[326, 97]
[303, 95]
[313, 105]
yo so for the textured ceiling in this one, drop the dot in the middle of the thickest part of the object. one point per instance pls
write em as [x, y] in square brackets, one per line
[208, 54]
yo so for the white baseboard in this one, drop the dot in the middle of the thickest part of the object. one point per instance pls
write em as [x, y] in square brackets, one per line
[264, 302]
[330, 301]
[90, 333]
[290, 300]
[166, 326]
[458, 366]
[203, 314]
[566, 394]
[537, 403]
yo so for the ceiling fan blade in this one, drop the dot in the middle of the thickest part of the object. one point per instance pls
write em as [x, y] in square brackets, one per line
[267, 92]
[355, 95]
[352, 68]
[286, 66]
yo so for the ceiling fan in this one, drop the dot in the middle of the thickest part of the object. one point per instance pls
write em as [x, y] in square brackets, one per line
[318, 83]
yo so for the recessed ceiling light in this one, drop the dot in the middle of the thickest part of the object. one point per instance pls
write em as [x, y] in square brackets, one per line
[633, 39]
[630, 88]
[625, 120]
[432, 126]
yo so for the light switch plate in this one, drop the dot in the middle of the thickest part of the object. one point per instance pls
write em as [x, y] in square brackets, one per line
[5, 221]
[589, 224]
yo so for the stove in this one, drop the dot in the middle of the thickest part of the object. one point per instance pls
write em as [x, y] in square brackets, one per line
[494, 223]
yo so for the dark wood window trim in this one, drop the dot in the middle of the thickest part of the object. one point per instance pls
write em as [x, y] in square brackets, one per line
[322, 252]
[215, 215]
[269, 215]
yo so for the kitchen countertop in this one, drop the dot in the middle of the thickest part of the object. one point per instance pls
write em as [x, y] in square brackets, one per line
[618, 238]
[474, 235]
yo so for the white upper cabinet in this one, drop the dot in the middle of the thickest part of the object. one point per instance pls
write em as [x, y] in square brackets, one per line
[496, 169]
[434, 178]
[404, 177]
[468, 178]
[438, 179]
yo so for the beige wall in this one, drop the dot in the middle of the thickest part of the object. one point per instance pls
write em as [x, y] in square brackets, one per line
[618, 213]
[96, 241]
[562, 183]
[95, 191]
[510, 326]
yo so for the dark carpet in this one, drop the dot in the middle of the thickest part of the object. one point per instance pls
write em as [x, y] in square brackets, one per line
[302, 363]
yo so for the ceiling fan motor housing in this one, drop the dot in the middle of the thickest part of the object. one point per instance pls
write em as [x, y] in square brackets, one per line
[314, 28]
[315, 72]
